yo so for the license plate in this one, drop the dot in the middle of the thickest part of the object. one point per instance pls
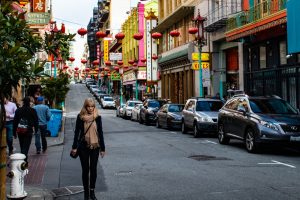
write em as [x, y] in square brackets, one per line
[292, 138]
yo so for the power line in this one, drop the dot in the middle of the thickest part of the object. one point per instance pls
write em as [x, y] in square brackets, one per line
[63, 20]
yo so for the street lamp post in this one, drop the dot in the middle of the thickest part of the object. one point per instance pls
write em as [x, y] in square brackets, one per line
[200, 41]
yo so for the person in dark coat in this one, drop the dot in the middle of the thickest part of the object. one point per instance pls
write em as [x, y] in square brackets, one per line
[89, 141]
[29, 118]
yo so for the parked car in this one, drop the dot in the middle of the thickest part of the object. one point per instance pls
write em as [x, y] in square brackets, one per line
[136, 112]
[256, 120]
[108, 102]
[128, 108]
[149, 110]
[201, 115]
[119, 110]
[100, 97]
[169, 116]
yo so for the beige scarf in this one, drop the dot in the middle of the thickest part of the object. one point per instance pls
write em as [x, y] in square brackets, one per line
[91, 137]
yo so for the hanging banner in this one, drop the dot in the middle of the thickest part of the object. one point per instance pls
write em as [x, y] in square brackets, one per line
[105, 50]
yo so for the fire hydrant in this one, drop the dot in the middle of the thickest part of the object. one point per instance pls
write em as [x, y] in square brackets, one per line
[18, 172]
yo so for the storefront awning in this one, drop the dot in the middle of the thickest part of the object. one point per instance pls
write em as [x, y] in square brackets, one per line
[176, 16]
[173, 56]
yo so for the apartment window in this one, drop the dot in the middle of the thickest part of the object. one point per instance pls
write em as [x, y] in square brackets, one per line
[262, 57]
[282, 53]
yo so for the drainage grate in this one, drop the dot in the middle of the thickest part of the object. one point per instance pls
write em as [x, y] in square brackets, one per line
[66, 191]
[206, 157]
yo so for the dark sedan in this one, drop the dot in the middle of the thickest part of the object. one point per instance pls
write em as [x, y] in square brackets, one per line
[169, 116]
[149, 110]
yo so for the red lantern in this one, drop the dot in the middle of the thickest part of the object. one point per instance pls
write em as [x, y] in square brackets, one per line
[154, 57]
[59, 59]
[120, 62]
[120, 36]
[71, 59]
[116, 68]
[143, 60]
[107, 63]
[131, 61]
[100, 34]
[193, 30]
[156, 35]
[175, 33]
[83, 61]
[95, 62]
[102, 75]
[106, 69]
[125, 67]
[82, 32]
[108, 74]
[138, 36]
[66, 67]
[76, 68]
[97, 69]
[87, 69]
[63, 28]
[134, 64]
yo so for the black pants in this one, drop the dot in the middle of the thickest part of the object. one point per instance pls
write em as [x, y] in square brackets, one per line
[89, 159]
[41, 134]
[25, 141]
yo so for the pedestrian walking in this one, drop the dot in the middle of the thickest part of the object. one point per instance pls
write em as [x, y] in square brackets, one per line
[89, 142]
[10, 109]
[44, 116]
[25, 123]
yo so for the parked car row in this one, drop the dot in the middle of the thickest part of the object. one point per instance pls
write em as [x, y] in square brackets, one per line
[254, 120]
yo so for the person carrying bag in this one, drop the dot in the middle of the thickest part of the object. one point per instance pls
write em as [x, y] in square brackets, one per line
[89, 138]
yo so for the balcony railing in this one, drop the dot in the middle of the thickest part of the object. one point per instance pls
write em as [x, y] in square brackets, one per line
[256, 13]
[217, 18]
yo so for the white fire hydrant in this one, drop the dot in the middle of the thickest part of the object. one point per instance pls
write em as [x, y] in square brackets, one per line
[18, 172]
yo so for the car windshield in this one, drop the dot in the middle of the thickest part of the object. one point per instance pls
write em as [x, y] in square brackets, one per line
[153, 104]
[108, 99]
[209, 106]
[175, 108]
[271, 106]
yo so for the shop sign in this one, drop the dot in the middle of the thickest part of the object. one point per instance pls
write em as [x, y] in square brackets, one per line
[204, 56]
[205, 65]
[39, 6]
[115, 56]
[115, 76]
[142, 75]
[37, 18]
[105, 50]
[129, 77]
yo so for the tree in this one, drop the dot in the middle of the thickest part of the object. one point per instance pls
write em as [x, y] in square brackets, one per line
[18, 47]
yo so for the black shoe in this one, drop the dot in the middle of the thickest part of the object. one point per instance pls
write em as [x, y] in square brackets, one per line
[44, 150]
[92, 194]
[38, 152]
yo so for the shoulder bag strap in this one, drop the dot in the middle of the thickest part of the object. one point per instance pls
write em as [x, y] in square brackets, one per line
[87, 130]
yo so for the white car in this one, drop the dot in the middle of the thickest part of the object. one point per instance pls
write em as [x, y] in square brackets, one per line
[108, 102]
[119, 111]
[128, 108]
[136, 112]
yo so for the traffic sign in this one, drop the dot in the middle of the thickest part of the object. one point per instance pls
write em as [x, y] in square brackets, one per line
[204, 56]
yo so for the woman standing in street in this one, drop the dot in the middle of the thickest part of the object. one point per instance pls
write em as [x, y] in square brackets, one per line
[26, 117]
[89, 142]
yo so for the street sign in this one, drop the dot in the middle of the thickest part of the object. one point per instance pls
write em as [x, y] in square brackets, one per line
[37, 18]
[205, 65]
[204, 56]
[115, 56]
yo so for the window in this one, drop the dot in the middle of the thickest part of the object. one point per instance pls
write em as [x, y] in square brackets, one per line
[282, 53]
[175, 108]
[232, 105]
[209, 106]
[271, 106]
[262, 57]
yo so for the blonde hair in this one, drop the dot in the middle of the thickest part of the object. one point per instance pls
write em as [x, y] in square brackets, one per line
[89, 102]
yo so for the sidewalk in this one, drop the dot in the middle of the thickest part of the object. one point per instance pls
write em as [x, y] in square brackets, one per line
[37, 165]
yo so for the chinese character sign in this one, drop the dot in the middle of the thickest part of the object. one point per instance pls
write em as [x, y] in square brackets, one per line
[105, 49]
[39, 5]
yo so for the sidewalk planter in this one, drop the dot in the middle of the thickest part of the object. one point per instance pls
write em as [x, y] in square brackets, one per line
[54, 124]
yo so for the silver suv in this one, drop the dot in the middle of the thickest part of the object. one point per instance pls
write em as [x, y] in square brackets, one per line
[201, 115]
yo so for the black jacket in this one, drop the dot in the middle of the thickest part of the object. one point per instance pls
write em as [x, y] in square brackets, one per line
[26, 113]
[79, 132]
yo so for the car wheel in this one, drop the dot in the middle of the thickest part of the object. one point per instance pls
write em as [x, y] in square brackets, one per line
[183, 128]
[157, 124]
[221, 135]
[250, 143]
[141, 120]
[195, 132]
[137, 118]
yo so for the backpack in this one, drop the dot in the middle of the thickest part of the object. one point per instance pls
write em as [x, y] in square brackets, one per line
[22, 127]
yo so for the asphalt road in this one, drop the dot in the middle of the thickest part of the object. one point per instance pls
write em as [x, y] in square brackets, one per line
[143, 162]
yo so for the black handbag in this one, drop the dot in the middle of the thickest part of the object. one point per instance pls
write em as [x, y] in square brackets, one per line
[75, 155]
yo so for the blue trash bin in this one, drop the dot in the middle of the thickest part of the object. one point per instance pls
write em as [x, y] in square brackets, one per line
[54, 124]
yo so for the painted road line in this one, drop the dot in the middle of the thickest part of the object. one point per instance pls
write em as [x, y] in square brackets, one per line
[208, 141]
[274, 162]
[292, 166]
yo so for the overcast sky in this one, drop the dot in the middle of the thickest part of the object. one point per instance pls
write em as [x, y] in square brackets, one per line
[77, 13]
